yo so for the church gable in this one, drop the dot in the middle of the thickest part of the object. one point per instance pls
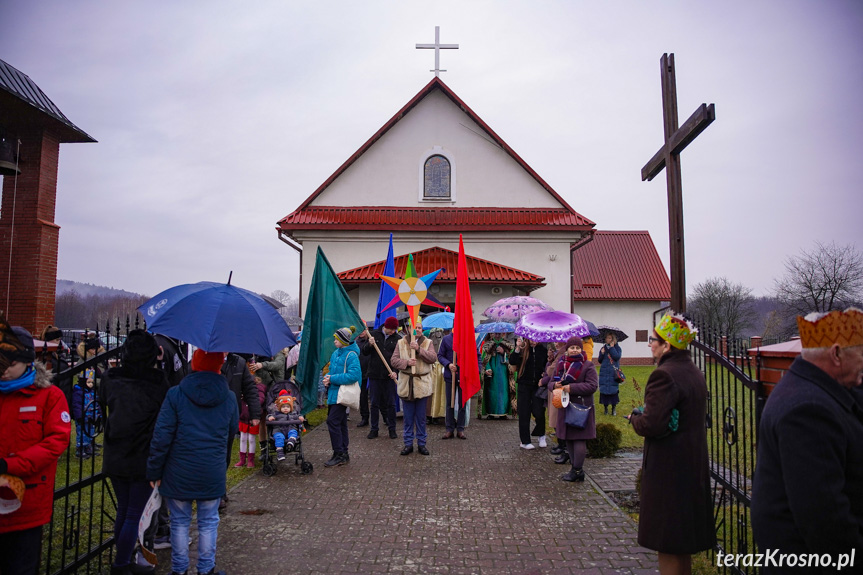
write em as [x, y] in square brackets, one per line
[436, 152]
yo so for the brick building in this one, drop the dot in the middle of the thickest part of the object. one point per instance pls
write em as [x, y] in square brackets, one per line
[32, 128]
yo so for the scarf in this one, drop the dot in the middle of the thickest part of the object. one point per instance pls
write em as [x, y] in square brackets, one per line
[26, 380]
[571, 362]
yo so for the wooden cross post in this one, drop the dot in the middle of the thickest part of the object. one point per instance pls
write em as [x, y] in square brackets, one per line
[668, 157]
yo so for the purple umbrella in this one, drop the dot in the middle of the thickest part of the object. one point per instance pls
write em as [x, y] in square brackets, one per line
[514, 308]
[551, 326]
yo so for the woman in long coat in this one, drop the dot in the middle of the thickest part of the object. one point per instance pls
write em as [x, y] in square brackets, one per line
[609, 389]
[676, 516]
[496, 381]
[578, 378]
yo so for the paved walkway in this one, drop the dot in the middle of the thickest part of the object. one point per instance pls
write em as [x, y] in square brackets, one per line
[478, 506]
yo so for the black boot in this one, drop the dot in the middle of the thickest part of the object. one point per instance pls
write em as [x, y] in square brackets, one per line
[606, 410]
[575, 474]
[557, 450]
[363, 422]
[345, 458]
[336, 459]
[562, 458]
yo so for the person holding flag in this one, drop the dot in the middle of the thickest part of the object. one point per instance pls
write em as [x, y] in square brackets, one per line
[463, 342]
[413, 357]
[454, 425]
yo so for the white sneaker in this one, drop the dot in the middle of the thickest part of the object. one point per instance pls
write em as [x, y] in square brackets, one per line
[542, 442]
[527, 446]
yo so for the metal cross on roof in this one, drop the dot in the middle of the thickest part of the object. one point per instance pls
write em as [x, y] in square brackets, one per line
[437, 47]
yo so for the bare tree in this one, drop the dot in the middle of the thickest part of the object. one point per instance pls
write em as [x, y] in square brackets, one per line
[291, 308]
[825, 278]
[725, 306]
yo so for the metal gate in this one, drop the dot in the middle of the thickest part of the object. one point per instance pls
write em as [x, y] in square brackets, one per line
[735, 402]
[80, 536]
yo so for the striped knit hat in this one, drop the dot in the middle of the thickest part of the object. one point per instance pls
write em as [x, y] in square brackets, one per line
[345, 334]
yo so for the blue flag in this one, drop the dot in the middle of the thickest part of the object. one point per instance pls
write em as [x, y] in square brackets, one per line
[387, 292]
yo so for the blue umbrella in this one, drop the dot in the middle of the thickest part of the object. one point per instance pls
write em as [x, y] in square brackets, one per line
[594, 333]
[442, 319]
[495, 327]
[218, 317]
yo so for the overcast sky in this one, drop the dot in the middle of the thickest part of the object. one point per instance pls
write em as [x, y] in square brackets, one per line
[216, 119]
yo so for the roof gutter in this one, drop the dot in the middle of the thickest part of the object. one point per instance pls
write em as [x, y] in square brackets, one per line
[293, 243]
[586, 239]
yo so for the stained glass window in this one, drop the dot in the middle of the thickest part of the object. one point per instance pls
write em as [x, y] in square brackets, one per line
[436, 174]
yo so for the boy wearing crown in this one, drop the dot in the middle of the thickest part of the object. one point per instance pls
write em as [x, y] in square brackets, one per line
[807, 494]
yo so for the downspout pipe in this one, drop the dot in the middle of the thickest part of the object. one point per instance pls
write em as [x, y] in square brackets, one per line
[586, 239]
[291, 242]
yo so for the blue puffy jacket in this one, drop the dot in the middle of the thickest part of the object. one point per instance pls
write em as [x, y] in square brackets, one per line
[190, 442]
[344, 369]
[607, 385]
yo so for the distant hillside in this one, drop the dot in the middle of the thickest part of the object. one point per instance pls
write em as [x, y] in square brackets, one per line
[84, 290]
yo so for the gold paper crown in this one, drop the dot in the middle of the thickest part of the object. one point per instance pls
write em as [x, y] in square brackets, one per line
[676, 330]
[844, 328]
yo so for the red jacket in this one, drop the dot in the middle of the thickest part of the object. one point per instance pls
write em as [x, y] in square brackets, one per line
[36, 427]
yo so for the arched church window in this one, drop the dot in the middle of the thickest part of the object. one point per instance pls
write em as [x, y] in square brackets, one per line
[437, 177]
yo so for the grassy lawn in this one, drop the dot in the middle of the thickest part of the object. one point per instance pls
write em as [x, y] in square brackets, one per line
[629, 399]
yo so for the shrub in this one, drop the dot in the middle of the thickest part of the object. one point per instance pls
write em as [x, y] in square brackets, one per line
[607, 442]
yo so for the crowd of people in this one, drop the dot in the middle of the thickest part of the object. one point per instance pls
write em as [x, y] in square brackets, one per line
[158, 417]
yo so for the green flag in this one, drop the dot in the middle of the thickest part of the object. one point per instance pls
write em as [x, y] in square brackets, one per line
[327, 309]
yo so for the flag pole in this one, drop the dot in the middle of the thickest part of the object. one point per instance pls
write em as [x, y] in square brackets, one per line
[377, 349]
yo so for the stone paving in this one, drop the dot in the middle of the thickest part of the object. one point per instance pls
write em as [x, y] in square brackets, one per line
[478, 506]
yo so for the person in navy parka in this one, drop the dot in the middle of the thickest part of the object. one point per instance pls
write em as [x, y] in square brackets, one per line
[188, 453]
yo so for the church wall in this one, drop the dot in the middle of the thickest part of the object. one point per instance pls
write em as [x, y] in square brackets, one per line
[485, 175]
[530, 252]
[628, 316]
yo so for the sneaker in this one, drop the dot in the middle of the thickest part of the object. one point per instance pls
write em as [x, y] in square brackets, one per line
[542, 441]
[527, 446]
[163, 542]
[280, 454]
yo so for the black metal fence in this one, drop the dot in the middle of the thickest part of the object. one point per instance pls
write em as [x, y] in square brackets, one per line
[735, 402]
[80, 537]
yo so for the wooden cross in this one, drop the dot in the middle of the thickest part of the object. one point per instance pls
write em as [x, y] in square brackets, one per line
[437, 47]
[668, 157]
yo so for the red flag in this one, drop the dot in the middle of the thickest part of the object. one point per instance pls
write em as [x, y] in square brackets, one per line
[463, 339]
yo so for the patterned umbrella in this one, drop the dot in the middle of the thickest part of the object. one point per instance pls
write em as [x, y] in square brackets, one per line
[551, 326]
[495, 327]
[618, 333]
[514, 308]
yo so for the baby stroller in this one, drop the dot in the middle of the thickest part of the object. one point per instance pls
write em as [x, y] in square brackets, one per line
[270, 463]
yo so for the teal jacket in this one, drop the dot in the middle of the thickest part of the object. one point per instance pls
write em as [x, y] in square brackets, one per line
[344, 369]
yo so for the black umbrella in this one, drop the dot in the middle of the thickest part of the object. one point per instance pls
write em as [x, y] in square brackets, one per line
[607, 329]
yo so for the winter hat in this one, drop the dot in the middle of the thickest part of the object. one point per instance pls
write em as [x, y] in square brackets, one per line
[391, 323]
[207, 360]
[140, 349]
[345, 334]
[285, 398]
[50, 333]
[574, 340]
[21, 348]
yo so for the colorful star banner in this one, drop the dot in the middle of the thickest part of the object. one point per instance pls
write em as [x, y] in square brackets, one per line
[412, 291]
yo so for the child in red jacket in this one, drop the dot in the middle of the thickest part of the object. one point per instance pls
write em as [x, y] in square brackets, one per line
[36, 424]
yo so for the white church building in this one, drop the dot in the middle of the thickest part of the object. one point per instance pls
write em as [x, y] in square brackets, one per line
[436, 170]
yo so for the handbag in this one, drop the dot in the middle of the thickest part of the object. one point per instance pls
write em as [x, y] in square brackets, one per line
[349, 395]
[577, 415]
[619, 376]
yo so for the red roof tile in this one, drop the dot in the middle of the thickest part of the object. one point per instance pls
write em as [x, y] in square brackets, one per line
[619, 266]
[428, 260]
[443, 218]
[287, 222]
